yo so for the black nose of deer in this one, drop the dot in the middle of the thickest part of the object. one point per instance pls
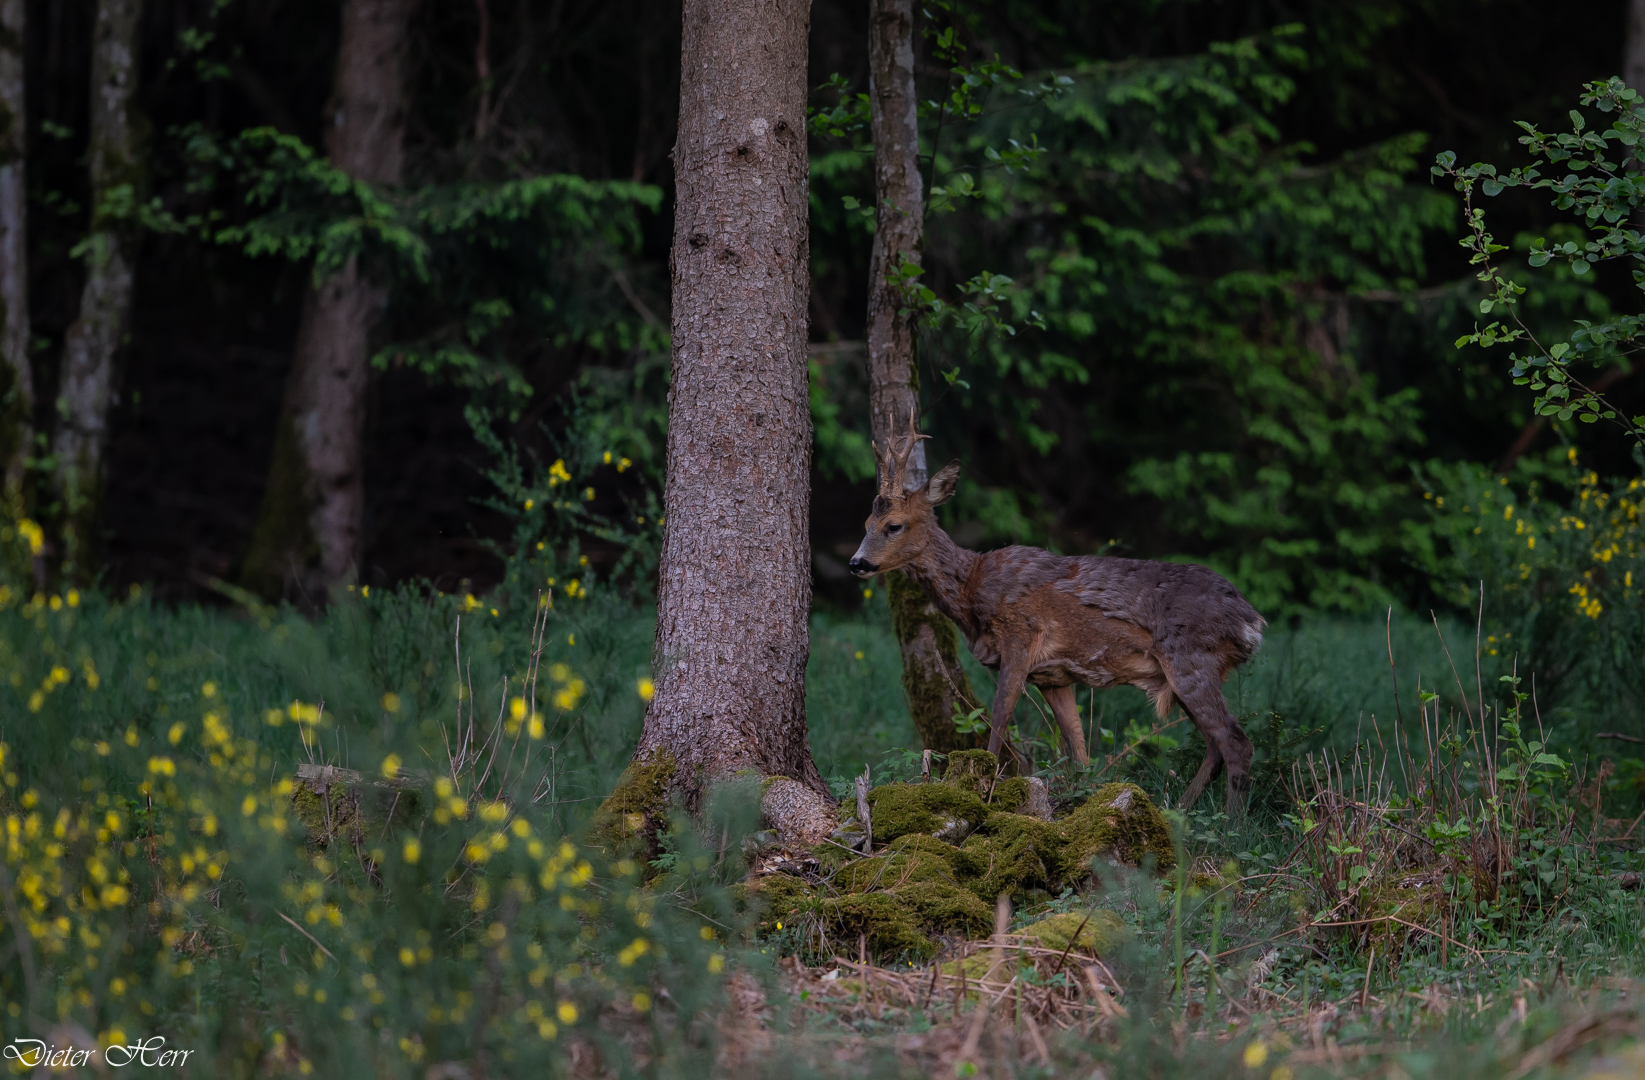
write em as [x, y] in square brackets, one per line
[862, 567]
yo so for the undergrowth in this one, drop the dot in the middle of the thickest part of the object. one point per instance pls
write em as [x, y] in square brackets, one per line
[184, 859]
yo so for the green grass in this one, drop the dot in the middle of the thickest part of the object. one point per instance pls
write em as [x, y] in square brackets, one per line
[95, 693]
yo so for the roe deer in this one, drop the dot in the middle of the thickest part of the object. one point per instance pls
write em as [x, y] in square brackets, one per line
[1174, 631]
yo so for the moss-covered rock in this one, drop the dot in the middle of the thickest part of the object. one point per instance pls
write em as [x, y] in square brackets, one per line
[1012, 853]
[939, 810]
[628, 821]
[972, 770]
[1118, 824]
[1022, 795]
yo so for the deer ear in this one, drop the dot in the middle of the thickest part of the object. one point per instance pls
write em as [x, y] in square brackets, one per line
[941, 486]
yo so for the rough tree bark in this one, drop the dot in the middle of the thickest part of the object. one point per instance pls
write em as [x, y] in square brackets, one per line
[89, 376]
[931, 672]
[16, 377]
[734, 585]
[308, 531]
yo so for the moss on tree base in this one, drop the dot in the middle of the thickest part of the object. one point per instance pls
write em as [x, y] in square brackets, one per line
[628, 822]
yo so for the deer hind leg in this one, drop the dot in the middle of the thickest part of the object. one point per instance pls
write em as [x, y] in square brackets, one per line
[1005, 704]
[1198, 687]
[1067, 712]
[1207, 772]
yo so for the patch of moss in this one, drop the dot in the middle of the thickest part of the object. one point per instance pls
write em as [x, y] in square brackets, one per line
[1120, 824]
[627, 823]
[780, 898]
[944, 908]
[902, 809]
[910, 859]
[1413, 897]
[1009, 795]
[1012, 853]
[882, 917]
[972, 770]
[890, 922]
[1100, 932]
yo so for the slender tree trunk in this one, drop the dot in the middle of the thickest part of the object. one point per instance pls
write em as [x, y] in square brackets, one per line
[89, 375]
[308, 531]
[16, 377]
[735, 580]
[931, 672]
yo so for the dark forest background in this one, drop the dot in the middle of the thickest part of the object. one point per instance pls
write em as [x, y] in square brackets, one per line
[1249, 285]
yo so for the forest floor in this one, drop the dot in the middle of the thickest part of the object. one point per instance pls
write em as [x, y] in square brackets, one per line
[1354, 923]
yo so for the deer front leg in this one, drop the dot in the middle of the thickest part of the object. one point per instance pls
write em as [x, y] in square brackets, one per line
[1005, 703]
[1067, 712]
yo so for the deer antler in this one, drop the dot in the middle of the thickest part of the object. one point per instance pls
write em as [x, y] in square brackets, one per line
[894, 465]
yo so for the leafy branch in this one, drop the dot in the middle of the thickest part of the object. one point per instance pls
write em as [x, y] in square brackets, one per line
[1606, 195]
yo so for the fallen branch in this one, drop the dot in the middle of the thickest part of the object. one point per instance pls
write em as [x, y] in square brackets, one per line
[299, 928]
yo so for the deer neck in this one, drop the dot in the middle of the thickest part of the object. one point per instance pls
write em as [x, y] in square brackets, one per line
[944, 569]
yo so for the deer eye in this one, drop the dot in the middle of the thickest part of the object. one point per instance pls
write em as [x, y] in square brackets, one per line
[894, 527]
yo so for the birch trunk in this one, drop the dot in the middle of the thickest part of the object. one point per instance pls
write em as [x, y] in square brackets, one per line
[735, 580]
[16, 377]
[90, 348]
[931, 672]
[308, 532]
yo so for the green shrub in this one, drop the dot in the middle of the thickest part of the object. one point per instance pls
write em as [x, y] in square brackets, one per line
[1560, 557]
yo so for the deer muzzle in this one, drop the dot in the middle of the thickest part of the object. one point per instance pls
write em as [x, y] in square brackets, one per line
[862, 567]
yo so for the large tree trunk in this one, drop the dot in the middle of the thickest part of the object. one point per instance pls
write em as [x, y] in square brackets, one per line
[308, 531]
[931, 672]
[735, 581]
[89, 376]
[16, 377]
